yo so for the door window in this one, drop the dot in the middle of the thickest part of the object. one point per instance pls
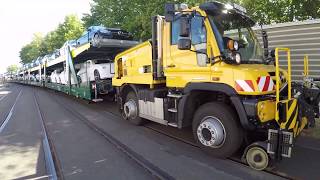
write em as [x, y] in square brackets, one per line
[198, 30]
[199, 39]
[198, 36]
[175, 28]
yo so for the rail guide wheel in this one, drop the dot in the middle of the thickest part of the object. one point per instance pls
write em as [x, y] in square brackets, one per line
[257, 158]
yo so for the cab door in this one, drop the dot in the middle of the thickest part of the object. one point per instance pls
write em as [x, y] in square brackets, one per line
[185, 66]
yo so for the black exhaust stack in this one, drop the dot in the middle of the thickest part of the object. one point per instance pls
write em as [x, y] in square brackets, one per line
[154, 47]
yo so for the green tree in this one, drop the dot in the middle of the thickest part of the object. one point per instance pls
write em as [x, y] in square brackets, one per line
[12, 69]
[31, 51]
[134, 15]
[71, 28]
[271, 11]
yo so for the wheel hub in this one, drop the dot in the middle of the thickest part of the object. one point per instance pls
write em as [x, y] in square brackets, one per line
[257, 158]
[130, 109]
[211, 132]
[206, 134]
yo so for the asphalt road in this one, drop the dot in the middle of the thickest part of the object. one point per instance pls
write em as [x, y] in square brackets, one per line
[84, 154]
[21, 148]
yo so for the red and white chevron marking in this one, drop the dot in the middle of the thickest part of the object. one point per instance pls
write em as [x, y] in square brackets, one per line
[244, 85]
[265, 83]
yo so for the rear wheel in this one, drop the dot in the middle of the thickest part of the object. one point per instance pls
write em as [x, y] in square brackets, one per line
[217, 130]
[131, 109]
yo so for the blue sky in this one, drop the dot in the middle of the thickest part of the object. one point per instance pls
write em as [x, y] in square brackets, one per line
[20, 19]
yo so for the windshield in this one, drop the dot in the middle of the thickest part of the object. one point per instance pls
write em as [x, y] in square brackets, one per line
[237, 27]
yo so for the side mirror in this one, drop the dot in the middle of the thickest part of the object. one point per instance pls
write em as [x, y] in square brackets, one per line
[184, 26]
[184, 43]
[169, 10]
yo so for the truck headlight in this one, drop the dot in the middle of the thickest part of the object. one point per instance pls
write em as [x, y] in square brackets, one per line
[237, 58]
[233, 58]
[232, 45]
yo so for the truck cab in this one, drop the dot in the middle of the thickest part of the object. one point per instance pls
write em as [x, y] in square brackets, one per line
[204, 68]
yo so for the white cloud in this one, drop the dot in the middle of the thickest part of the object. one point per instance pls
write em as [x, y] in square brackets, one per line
[21, 19]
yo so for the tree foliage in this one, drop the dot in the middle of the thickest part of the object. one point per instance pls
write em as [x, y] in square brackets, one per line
[12, 69]
[278, 11]
[71, 28]
[134, 15]
[32, 50]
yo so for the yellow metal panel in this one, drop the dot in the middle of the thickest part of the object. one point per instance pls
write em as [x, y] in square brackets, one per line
[56, 61]
[300, 125]
[133, 64]
[79, 50]
[266, 110]
[180, 66]
[291, 112]
[35, 69]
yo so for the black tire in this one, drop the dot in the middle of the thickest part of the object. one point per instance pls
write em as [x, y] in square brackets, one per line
[136, 120]
[96, 75]
[233, 133]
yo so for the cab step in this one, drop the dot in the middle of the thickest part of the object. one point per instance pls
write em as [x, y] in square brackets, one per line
[97, 100]
[172, 124]
[173, 110]
[174, 96]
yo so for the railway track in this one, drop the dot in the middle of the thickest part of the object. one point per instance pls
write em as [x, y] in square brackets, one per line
[141, 161]
[164, 130]
[10, 112]
[235, 159]
[52, 161]
[156, 128]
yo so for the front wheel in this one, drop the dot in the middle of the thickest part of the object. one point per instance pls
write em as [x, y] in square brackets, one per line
[216, 129]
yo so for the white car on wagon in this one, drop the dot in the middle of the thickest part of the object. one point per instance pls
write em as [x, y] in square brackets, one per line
[94, 70]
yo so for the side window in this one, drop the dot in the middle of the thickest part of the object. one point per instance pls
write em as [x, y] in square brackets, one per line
[175, 28]
[198, 30]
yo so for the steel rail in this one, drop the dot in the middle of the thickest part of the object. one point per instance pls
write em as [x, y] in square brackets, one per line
[140, 160]
[51, 158]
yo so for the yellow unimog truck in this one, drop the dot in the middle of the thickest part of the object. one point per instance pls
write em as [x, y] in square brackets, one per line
[204, 68]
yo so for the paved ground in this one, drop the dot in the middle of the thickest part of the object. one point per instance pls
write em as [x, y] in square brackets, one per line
[84, 154]
[21, 152]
